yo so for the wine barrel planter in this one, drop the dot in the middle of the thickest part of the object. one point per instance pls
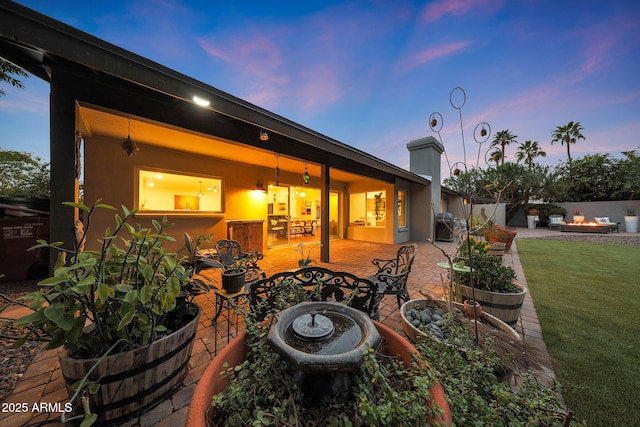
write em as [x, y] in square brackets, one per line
[134, 380]
[235, 353]
[497, 248]
[504, 306]
[233, 280]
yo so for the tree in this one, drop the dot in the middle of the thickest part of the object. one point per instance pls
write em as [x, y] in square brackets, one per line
[23, 175]
[529, 151]
[6, 71]
[502, 139]
[568, 134]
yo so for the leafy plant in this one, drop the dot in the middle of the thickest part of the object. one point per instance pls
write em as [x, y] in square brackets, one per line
[477, 396]
[489, 274]
[263, 390]
[304, 262]
[194, 263]
[124, 293]
[630, 211]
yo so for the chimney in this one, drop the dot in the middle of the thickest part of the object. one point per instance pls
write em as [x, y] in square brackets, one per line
[424, 160]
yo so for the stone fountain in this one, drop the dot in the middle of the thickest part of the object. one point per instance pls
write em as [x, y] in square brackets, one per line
[325, 343]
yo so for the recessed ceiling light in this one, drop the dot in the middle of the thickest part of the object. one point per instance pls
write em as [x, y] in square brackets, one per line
[201, 101]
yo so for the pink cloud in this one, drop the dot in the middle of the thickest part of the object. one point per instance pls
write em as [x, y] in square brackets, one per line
[436, 10]
[427, 55]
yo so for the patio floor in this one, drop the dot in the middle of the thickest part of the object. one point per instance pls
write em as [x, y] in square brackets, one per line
[42, 382]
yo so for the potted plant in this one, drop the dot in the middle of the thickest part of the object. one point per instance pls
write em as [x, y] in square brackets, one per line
[305, 261]
[249, 383]
[630, 221]
[113, 312]
[497, 233]
[494, 287]
[532, 217]
[578, 216]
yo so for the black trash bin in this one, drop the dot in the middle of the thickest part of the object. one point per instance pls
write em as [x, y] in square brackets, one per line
[444, 227]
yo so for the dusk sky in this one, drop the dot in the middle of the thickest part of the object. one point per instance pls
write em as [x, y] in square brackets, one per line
[370, 73]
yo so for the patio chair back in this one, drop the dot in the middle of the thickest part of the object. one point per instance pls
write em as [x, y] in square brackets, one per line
[313, 284]
[393, 274]
[228, 252]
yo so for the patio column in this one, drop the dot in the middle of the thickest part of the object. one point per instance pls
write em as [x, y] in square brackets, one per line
[324, 212]
[64, 179]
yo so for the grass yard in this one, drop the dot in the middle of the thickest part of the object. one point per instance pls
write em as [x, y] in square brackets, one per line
[587, 297]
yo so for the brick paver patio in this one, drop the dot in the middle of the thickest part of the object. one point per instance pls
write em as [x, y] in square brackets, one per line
[42, 382]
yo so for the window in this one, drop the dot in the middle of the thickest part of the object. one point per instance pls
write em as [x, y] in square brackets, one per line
[184, 194]
[402, 209]
[368, 209]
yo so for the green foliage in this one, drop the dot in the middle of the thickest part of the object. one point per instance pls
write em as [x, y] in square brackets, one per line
[263, 391]
[125, 292]
[489, 274]
[546, 209]
[6, 71]
[476, 395]
[23, 175]
[567, 135]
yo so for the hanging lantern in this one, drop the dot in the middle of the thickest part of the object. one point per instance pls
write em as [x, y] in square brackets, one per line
[433, 122]
[277, 170]
[127, 144]
[305, 176]
[483, 132]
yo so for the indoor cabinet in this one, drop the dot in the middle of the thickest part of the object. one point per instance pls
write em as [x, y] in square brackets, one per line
[248, 233]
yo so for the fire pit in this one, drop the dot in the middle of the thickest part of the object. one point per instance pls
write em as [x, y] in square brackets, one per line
[325, 343]
[585, 227]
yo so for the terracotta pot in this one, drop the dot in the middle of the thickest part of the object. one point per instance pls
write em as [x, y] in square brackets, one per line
[501, 234]
[472, 311]
[235, 353]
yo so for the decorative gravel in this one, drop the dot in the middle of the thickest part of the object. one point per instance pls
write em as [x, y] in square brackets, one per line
[13, 362]
[611, 238]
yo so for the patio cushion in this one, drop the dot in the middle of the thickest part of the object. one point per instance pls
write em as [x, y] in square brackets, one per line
[602, 219]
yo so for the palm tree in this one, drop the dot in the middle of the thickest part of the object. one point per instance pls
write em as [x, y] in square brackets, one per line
[502, 139]
[529, 151]
[569, 134]
[6, 69]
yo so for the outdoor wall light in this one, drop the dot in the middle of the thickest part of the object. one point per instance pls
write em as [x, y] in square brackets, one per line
[264, 136]
[201, 101]
[260, 186]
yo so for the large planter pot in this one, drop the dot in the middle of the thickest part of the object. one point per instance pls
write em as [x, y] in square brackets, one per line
[235, 352]
[578, 218]
[503, 235]
[413, 333]
[497, 248]
[133, 381]
[233, 280]
[631, 224]
[504, 306]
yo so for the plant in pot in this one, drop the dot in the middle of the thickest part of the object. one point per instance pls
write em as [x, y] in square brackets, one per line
[249, 383]
[493, 285]
[497, 233]
[630, 221]
[578, 216]
[113, 311]
[305, 261]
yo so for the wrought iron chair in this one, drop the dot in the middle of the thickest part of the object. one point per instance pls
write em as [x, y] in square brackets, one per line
[230, 254]
[313, 284]
[393, 274]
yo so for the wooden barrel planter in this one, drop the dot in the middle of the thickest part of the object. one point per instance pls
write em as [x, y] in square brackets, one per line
[135, 380]
[497, 248]
[504, 306]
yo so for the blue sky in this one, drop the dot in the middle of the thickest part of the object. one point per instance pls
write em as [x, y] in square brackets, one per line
[370, 73]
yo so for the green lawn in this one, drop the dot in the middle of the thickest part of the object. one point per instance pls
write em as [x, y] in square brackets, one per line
[587, 297]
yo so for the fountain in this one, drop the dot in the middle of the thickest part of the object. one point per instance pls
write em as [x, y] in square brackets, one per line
[325, 343]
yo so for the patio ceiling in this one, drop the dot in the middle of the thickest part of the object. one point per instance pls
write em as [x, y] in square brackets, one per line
[97, 122]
